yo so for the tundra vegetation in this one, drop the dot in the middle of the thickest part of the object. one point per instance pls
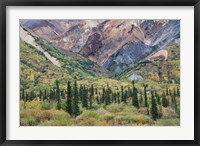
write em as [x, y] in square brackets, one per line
[82, 93]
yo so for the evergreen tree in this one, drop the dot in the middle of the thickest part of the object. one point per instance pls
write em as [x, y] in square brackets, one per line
[45, 95]
[32, 95]
[177, 91]
[24, 98]
[135, 98]
[98, 100]
[27, 96]
[58, 96]
[167, 92]
[175, 105]
[157, 98]
[145, 95]
[147, 109]
[125, 96]
[23, 95]
[165, 101]
[81, 93]
[90, 107]
[96, 90]
[115, 97]
[103, 95]
[118, 97]
[112, 97]
[40, 95]
[154, 110]
[92, 90]
[51, 95]
[135, 101]
[107, 97]
[122, 93]
[91, 95]
[69, 99]
[85, 98]
[76, 110]
[174, 92]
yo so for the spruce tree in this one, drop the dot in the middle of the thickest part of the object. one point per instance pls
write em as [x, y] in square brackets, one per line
[115, 97]
[69, 100]
[51, 95]
[107, 97]
[125, 96]
[177, 91]
[157, 98]
[76, 110]
[85, 97]
[81, 93]
[122, 93]
[45, 95]
[24, 98]
[154, 109]
[145, 95]
[167, 91]
[135, 102]
[165, 101]
[40, 95]
[58, 96]
[23, 95]
[91, 95]
[32, 95]
[103, 95]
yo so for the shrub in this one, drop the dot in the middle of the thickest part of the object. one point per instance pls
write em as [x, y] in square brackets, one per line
[168, 122]
[46, 105]
[115, 108]
[59, 118]
[37, 114]
[28, 121]
[168, 113]
[34, 104]
[90, 118]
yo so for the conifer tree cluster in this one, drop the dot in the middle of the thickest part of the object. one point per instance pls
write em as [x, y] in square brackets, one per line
[76, 96]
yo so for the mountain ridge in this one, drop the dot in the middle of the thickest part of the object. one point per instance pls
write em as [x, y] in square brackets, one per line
[102, 40]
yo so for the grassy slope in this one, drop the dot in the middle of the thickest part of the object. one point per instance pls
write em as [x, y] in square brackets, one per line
[37, 70]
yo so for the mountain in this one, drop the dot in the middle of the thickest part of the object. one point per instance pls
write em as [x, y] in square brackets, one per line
[41, 63]
[112, 44]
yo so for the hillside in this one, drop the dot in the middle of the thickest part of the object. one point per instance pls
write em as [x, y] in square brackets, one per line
[107, 42]
[41, 64]
[158, 68]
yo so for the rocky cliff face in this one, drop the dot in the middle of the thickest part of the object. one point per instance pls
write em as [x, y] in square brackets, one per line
[113, 44]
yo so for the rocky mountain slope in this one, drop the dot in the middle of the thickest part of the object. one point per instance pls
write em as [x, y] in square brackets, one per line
[113, 44]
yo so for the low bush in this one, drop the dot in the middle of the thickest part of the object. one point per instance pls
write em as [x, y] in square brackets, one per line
[168, 122]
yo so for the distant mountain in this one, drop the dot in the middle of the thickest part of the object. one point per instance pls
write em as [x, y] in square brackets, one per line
[113, 44]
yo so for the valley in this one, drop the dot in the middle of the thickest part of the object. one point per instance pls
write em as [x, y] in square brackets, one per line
[99, 73]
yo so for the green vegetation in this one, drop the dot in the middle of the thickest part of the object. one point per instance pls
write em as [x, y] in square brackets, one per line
[82, 93]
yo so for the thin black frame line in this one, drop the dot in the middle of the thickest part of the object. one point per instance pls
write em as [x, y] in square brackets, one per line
[56, 142]
[3, 73]
[100, 2]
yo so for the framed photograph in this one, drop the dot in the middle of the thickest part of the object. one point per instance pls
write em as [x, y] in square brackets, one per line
[99, 72]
